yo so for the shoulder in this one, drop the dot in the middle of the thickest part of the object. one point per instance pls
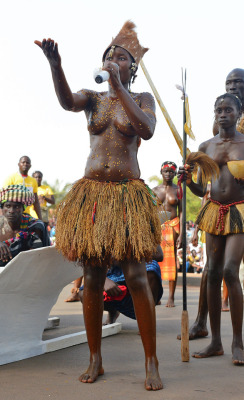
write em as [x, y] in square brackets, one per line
[31, 180]
[12, 179]
[157, 189]
[47, 189]
[91, 94]
[239, 137]
[204, 145]
[144, 97]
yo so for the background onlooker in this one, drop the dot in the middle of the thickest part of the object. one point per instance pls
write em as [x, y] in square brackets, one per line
[22, 178]
[45, 196]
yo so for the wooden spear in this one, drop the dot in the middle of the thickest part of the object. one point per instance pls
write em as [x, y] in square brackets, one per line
[169, 121]
[184, 317]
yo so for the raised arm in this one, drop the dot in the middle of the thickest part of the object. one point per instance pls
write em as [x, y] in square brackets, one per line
[141, 118]
[68, 100]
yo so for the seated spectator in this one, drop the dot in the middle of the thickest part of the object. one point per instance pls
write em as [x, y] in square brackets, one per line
[180, 261]
[197, 247]
[18, 230]
[117, 298]
[195, 262]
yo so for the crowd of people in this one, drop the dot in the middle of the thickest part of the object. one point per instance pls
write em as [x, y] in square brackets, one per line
[127, 236]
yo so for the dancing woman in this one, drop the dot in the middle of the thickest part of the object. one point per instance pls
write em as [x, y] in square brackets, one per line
[110, 214]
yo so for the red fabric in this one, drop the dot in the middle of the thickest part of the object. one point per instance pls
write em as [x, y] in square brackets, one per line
[118, 298]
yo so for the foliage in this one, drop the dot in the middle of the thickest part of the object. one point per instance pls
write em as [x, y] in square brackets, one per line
[193, 203]
[59, 190]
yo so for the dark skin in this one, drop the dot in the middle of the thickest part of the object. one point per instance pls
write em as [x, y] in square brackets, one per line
[41, 198]
[167, 194]
[116, 120]
[24, 166]
[112, 289]
[235, 85]
[12, 212]
[224, 252]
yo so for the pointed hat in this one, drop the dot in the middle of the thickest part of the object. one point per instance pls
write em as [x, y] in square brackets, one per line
[127, 39]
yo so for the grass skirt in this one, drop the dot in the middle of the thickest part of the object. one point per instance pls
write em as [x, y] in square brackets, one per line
[232, 222]
[100, 221]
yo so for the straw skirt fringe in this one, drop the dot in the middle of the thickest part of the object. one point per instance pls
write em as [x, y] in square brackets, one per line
[100, 221]
[233, 221]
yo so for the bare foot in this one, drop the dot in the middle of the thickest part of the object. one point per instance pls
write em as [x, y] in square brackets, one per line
[153, 380]
[170, 303]
[237, 356]
[112, 317]
[74, 296]
[196, 331]
[94, 370]
[209, 351]
[225, 306]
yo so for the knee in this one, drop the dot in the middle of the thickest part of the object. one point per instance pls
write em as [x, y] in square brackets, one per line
[230, 275]
[136, 281]
[214, 275]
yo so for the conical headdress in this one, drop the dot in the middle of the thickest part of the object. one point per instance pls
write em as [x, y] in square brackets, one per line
[127, 39]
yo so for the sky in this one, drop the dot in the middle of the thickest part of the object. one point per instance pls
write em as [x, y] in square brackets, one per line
[205, 37]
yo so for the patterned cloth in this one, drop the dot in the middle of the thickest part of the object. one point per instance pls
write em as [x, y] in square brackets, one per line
[18, 194]
[168, 265]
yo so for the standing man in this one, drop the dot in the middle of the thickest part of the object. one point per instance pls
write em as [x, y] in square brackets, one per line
[171, 229]
[234, 84]
[45, 195]
[22, 178]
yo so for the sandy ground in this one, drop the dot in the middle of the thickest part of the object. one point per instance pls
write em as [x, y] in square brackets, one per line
[54, 375]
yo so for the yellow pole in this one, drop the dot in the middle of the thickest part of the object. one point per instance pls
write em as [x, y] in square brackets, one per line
[169, 121]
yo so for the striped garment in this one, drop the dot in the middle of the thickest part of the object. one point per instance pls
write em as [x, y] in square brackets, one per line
[17, 194]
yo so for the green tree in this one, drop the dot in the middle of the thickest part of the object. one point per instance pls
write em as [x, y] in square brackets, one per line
[193, 203]
[59, 191]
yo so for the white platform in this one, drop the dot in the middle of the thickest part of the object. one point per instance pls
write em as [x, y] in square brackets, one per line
[29, 287]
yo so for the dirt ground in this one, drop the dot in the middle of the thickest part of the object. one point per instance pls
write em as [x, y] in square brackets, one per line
[54, 375]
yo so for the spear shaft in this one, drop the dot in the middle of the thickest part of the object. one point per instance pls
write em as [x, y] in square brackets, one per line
[184, 317]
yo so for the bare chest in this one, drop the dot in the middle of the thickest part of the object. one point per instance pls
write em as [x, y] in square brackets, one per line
[226, 151]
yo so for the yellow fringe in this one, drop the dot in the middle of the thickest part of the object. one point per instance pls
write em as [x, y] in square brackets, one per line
[208, 217]
[126, 226]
